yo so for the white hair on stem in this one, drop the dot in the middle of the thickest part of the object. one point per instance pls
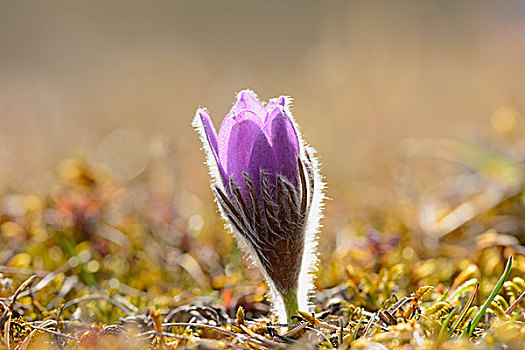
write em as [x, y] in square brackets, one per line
[312, 228]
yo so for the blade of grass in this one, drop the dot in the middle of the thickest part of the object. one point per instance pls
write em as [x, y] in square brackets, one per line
[466, 330]
[341, 328]
[356, 330]
[464, 311]
[447, 321]
[514, 304]
[491, 297]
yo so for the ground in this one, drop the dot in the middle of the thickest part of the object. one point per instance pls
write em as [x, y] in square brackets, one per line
[94, 263]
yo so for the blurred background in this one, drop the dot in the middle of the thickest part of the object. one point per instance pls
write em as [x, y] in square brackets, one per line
[364, 75]
[415, 108]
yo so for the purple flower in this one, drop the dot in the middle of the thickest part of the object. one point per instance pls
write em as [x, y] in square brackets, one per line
[267, 184]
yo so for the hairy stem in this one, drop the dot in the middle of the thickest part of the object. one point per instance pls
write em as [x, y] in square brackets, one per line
[290, 303]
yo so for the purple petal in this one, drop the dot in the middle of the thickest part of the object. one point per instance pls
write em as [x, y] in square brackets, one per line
[247, 100]
[262, 159]
[237, 136]
[211, 136]
[285, 145]
[274, 103]
[209, 129]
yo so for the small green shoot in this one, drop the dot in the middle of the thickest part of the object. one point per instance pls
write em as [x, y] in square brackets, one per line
[464, 311]
[447, 321]
[491, 297]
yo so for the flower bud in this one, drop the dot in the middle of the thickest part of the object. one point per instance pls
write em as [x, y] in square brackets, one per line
[268, 188]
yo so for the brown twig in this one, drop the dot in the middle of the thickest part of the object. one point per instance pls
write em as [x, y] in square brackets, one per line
[185, 324]
[94, 297]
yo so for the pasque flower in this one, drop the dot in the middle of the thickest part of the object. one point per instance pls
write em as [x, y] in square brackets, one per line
[268, 188]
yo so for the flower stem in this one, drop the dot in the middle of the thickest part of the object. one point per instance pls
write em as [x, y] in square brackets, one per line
[290, 303]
